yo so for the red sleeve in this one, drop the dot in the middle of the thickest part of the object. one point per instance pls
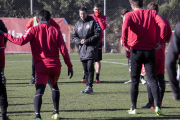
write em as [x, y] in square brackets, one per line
[125, 26]
[20, 41]
[53, 23]
[102, 22]
[162, 26]
[2, 54]
[29, 24]
[64, 51]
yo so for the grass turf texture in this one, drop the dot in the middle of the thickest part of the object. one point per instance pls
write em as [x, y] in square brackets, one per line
[110, 100]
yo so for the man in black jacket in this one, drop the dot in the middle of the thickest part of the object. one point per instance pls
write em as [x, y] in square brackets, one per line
[171, 59]
[86, 35]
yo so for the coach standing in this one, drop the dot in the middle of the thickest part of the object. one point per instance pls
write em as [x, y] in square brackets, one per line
[86, 35]
[139, 37]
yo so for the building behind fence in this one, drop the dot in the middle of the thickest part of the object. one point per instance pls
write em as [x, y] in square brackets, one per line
[68, 9]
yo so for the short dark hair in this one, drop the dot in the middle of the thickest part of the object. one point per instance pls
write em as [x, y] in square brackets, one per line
[98, 5]
[124, 11]
[44, 15]
[137, 3]
[153, 6]
[83, 9]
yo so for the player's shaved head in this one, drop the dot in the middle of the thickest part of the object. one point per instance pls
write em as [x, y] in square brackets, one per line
[44, 15]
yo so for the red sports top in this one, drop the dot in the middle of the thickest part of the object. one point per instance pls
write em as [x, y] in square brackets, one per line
[102, 20]
[2, 55]
[139, 29]
[160, 54]
[30, 23]
[45, 41]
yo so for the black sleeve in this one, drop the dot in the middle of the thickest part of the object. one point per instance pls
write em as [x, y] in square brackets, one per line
[171, 60]
[4, 29]
[97, 33]
[75, 37]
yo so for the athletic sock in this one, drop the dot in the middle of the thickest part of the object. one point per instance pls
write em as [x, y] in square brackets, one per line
[38, 116]
[84, 77]
[38, 97]
[141, 76]
[97, 76]
[54, 112]
[56, 97]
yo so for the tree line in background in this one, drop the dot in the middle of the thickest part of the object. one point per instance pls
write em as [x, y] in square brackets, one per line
[68, 9]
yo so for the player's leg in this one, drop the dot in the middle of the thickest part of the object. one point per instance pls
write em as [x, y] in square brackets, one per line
[143, 73]
[89, 76]
[84, 64]
[83, 79]
[160, 75]
[150, 67]
[98, 63]
[3, 102]
[40, 83]
[136, 64]
[129, 67]
[150, 104]
[33, 73]
[54, 74]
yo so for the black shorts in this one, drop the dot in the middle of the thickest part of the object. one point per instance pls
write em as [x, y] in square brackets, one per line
[99, 52]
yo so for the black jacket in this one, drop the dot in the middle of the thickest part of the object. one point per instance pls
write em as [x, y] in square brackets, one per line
[171, 60]
[4, 29]
[91, 32]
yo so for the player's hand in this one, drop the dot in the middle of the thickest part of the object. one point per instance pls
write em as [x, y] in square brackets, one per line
[70, 72]
[158, 47]
[127, 49]
[1, 32]
[96, 13]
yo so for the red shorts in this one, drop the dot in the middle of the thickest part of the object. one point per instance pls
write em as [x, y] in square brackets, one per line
[143, 69]
[160, 66]
[42, 75]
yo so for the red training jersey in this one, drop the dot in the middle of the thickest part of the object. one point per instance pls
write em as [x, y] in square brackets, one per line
[45, 41]
[160, 54]
[30, 23]
[2, 54]
[139, 29]
[102, 20]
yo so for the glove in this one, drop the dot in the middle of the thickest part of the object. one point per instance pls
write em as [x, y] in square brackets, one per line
[70, 72]
[97, 14]
[1, 32]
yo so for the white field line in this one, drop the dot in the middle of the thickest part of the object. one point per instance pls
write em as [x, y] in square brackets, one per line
[79, 61]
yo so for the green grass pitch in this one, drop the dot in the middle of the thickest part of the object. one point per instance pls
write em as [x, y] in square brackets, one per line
[110, 100]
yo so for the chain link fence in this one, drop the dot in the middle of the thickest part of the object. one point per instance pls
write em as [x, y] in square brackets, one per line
[68, 9]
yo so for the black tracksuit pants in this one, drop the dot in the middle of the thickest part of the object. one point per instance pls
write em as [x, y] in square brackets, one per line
[162, 86]
[33, 69]
[3, 100]
[146, 57]
[88, 66]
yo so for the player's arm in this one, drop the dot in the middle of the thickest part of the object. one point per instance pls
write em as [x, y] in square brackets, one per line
[172, 56]
[53, 23]
[75, 36]
[102, 22]
[29, 24]
[20, 41]
[64, 51]
[125, 26]
[162, 26]
[97, 34]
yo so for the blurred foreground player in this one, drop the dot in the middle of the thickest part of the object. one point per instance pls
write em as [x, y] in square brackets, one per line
[3, 94]
[45, 41]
